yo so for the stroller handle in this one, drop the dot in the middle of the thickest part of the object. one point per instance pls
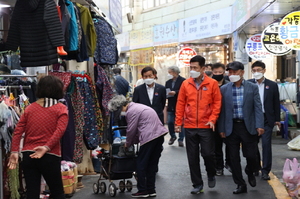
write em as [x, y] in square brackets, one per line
[119, 128]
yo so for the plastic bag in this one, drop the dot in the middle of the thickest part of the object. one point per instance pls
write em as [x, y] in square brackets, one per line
[294, 144]
[291, 176]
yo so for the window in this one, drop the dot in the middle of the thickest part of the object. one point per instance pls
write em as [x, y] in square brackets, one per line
[155, 3]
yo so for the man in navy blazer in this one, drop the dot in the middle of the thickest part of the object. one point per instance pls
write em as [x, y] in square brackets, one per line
[241, 120]
[269, 95]
[150, 93]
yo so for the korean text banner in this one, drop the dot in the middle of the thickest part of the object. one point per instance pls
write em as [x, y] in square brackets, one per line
[255, 50]
[289, 31]
[205, 25]
[165, 33]
[271, 42]
[142, 38]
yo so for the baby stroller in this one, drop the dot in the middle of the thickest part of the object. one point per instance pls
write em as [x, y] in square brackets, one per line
[115, 166]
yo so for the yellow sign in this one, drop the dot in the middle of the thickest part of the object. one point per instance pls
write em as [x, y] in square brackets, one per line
[142, 56]
[289, 30]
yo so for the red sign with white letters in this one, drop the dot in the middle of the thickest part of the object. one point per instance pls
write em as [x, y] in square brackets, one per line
[185, 55]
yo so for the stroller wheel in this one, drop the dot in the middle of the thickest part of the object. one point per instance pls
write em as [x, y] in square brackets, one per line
[129, 185]
[122, 186]
[102, 187]
[95, 188]
[112, 189]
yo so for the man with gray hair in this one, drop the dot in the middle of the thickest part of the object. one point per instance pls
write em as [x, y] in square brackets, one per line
[173, 86]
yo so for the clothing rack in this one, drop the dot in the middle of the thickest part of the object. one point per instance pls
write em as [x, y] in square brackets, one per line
[14, 86]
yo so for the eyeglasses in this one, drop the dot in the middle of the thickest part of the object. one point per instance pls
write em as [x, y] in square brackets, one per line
[258, 70]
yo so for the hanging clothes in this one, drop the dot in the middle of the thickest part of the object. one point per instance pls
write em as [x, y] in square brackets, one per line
[78, 106]
[88, 29]
[65, 22]
[91, 134]
[106, 49]
[68, 139]
[73, 27]
[35, 28]
[104, 89]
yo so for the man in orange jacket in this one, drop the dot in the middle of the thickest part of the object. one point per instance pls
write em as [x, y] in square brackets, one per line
[198, 107]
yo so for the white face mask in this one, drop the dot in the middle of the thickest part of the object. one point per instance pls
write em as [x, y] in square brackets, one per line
[169, 76]
[258, 75]
[234, 78]
[194, 74]
[123, 113]
[149, 81]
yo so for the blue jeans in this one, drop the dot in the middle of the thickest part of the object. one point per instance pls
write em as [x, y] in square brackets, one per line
[171, 123]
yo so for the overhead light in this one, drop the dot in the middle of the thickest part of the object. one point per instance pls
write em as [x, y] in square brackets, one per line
[4, 6]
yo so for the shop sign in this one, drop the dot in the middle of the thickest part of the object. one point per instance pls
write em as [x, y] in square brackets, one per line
[142, 57]
[271, 41]
[206, 25]
[142, 38]
[255, 50]
[165, 33]
[115, 14]
[185, 55]
[289, 30]
[123, 40]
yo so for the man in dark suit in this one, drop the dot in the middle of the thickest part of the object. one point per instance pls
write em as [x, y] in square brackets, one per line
[241, 121]
[269, 95]
[173, 86]
[150, 93]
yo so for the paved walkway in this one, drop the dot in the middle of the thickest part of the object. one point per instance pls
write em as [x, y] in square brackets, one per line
[173, 178]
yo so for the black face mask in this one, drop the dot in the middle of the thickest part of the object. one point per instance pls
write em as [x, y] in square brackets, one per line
[218, 77]
[208, 72]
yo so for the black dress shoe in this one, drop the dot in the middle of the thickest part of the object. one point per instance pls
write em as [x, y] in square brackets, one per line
[252, 180]
[240, 189]
[265, 176]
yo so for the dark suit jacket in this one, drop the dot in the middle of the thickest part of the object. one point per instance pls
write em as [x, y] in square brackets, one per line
[173, 100]
[252, 108]
[140, 95]
[271, 101]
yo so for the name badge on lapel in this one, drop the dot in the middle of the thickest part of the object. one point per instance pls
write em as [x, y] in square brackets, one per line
[156, 94]
[204, 88]
[267, 87]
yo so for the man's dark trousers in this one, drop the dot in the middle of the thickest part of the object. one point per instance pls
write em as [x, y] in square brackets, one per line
[194, 137]
[249, 147]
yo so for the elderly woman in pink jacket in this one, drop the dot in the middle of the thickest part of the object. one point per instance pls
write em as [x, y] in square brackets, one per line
[144, 127]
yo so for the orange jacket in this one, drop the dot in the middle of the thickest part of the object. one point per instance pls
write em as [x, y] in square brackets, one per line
[195, 107]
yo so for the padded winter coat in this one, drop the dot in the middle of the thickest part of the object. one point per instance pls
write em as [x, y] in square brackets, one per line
[35, 28]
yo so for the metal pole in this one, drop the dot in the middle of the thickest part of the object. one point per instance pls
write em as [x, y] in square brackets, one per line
[1, 172]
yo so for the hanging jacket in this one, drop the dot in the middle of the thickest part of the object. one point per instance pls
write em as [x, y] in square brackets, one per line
[88, 29]
[35, 27]
[73, 27]
[106, 48]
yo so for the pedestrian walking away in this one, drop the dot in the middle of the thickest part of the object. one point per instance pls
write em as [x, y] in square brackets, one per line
[241, 121]
[122, 85]
[172, 88]
[269, 95]
[198, 107]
